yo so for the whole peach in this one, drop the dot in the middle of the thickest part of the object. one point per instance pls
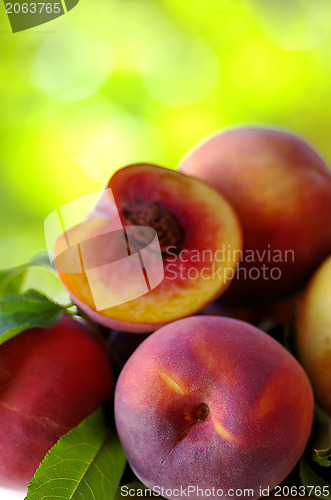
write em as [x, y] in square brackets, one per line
[50, 380]
[281, 190]
[313, 333]
[217, 404]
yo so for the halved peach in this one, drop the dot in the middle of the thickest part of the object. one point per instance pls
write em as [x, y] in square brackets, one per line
[166, 246]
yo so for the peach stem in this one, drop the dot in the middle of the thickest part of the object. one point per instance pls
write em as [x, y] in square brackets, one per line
[198, 414]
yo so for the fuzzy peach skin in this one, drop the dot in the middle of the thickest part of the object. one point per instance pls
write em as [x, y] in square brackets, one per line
[217, 403]
[50, 380]
[281, 190]
[192, 222]
[313, 333]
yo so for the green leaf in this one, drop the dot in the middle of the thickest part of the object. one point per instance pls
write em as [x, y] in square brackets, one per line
[319, 450]
[12, 280]
[27, 310]
[41, 259]
[315, 484]
[87, 463]
[323, 457]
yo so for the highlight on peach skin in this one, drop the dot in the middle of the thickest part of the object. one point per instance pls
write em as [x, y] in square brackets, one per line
[188, 216]
[217, 403]
[280, 187]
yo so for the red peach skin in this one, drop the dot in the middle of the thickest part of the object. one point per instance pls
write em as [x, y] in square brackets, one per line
[50, 380]
[281, 190]
[217, 403]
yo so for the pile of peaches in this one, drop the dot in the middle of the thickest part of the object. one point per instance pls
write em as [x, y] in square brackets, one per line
[204, 394]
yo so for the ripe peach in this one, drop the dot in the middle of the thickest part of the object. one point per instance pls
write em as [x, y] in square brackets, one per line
[281, 190]
[50, 380]
[313, 333]
[217, 404]
[192, 222]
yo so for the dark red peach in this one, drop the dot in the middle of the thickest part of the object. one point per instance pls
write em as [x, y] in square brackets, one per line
[50, 380]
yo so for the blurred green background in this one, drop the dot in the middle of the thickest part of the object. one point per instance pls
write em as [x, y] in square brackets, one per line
[120, 81]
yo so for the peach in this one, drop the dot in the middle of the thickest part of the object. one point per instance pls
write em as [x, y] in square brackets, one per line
[281, 190]
[50, 380]
[313, 333]
[217, 404]
[181, 271]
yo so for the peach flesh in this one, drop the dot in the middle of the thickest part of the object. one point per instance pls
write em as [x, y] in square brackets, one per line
[50, 380]
[187, 215]
[218, 403]
[281, 190]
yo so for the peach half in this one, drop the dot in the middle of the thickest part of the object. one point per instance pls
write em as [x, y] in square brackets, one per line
[151, 251]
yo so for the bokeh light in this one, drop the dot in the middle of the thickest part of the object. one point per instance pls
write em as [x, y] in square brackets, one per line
[179, 70]
[294, 25]
[104, 137]
[71, 66]
[113, 82]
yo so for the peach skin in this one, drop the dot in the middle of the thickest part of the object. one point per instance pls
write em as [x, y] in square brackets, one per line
[281, 190]
[217, 404]
[50, 380]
